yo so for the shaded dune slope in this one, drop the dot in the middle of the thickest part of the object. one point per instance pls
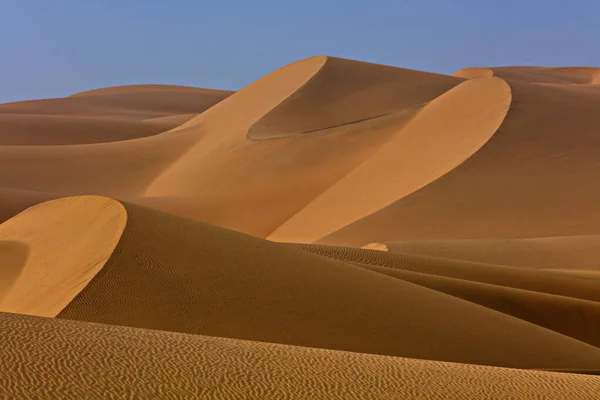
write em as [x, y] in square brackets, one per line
[563, 252]
[103, 115]
[531, 179]
[243, 287]
[77, 360]
[342, 92]
[255, 185]
[13, 201]
[443, 135]
[568, 305]
[43, 130]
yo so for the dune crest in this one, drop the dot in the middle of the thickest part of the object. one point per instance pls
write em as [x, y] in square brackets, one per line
[68, 240]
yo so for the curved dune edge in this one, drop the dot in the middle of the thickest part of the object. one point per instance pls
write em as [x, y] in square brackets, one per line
[228, 121]
[344, 92]
[85, 360]
[442, 136]
[261, 96]
[69, 240]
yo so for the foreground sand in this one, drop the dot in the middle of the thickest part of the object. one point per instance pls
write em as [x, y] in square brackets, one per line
[209, 242]
[53, 358]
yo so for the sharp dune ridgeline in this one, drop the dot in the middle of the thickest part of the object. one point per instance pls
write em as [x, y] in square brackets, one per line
[336, 229]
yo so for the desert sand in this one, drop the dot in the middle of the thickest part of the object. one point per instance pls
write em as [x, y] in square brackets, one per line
[336, 229]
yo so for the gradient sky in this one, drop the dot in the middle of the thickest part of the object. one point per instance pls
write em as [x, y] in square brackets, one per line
[51, 48]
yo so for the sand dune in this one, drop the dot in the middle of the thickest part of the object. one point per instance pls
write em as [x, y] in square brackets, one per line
[343, 92]
[443, 135]
[529, 180]
[568, 75]
[254, 186]
[72, 238]
[26, 129]
[127, 265]
[104, 115]
[269, 292]
[125, 102]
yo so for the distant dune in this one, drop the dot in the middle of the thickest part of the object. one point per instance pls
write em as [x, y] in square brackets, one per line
[103, 115]
[336, 229]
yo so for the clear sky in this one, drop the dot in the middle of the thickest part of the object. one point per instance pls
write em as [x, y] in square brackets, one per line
[51, 48]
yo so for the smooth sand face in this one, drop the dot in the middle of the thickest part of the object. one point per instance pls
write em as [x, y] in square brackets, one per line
[529, 180]
[443, 135]
[51, 251]
[562, 252]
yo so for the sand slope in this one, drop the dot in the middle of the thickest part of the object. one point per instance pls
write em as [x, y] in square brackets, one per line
[531, 179]
[320, 108]
[76, 360]
[444, 134]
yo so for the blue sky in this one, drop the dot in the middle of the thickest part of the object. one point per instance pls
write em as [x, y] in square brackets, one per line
[53, 48]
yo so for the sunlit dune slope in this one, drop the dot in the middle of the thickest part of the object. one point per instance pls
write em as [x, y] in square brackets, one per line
[76, 360]
[443, 135]
[343, 92]
[207, 168]
[173, 274]
[533, 178]
[322, 107]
